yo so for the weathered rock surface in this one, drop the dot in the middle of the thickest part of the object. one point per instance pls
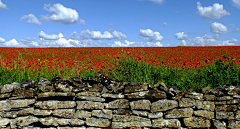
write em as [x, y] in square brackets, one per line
[102, 103]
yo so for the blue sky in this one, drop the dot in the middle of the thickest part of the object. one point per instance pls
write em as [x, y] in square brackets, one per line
[119, 23]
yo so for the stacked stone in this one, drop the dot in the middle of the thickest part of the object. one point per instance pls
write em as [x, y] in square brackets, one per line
[102, 103]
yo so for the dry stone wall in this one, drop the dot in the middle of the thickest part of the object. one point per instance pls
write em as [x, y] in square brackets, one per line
[102, 103]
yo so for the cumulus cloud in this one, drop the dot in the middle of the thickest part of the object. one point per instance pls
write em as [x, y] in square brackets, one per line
[137, 44]
[82, 22]
[62, 14]
[234, 31]
[181, 35]
[119, 35]
[211, 12]
[150, 36]
[218, 28]
[31, 19]
[2, 40]
[165, 23]
[208, 40]
[236, 3]
[233, 40]
[47, 37]
[217, 36]
[97, 35]
[2, 5]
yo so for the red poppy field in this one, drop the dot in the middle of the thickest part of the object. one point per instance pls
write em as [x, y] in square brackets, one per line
[184, 67]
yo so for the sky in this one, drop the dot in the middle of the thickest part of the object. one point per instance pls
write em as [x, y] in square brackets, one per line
[119, 23]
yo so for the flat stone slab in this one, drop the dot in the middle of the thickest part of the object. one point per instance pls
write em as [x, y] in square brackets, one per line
[163, 105]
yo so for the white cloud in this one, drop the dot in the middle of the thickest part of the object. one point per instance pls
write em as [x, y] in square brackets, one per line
[165, 23]
[234, 31]
[2, 40]
[62, 14]
[217, 36]
[157, 1]
[31, 19]
[181, 35]
[96, 35]
[212, 12]
[208, 40]
[2, 5]
[233, 40]
[82, 22]
[119, 35]
[236, 3]
[136, 44]
[218, 28]
[47, 37]
[150, 36]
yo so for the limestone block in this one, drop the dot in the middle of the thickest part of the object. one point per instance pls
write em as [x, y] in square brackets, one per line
[27, 111]
[238, 115]
[90, 98]
[102, 113]
[233, 124]
[12, 114]
[66, 113]
[25, 120]
[140, 104]
[224, 98]
[140, 113]
[203, 113]
[197, 122]
[5, 95]
[97, 122]
[53, 94]
[140, 94]
[120, 103]
[4, 121]
[82, 114]
[131, 124]
[178, 113]
[234, 101]
[135, 88]
[225, 115]
[163, 105]
[55, 104]
[49, 121]
[166, 123]
[206, 105]
[219, 125]
[38, 112]
[220, 102]
[194, 95]
[128, 118]
[89, 105]
[116, 96]
[73, 122]
[88, 93]
[155, 115]
[226, 108]
[186, 102]
[209, 97]
[8, 87]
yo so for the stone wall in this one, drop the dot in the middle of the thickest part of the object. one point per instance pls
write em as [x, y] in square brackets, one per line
[102, 103]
